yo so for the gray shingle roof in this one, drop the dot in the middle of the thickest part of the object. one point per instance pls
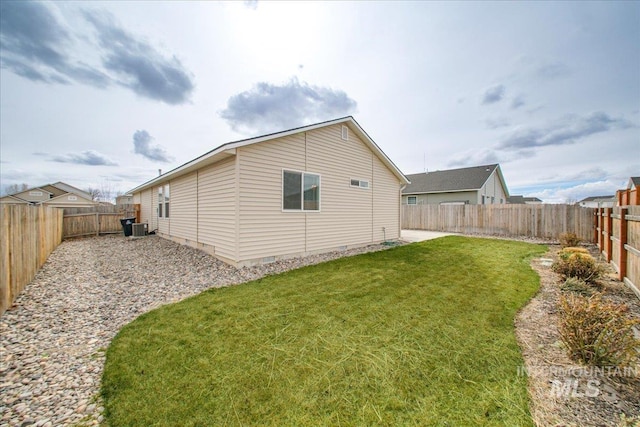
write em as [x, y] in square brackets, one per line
[472, 178]
[635, 180]
[598, 199]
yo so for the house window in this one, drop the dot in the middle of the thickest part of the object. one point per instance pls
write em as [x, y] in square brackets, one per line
[345, 133]
[300, 191]
[412, 200]
[35, 193]
[160, 203]
[483, 200]
[166, 201]
[493, 200]
[359, 183]
[72, 198]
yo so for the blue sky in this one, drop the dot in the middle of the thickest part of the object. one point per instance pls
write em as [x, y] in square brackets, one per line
[106, 93]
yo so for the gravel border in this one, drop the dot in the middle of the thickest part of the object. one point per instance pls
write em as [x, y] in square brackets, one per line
[53, 340]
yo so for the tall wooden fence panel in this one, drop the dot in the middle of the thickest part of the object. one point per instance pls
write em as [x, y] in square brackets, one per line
[28, 235]
[618, 232]
[540, 221]
[91, 224]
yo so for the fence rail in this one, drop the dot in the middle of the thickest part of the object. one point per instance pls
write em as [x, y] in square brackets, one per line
[91, 224]
[28, 235]
[540, 221]
[618, 237]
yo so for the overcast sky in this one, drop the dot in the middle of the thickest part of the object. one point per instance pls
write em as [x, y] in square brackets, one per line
[97, 94]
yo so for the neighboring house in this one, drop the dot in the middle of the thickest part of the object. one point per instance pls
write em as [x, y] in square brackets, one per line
[51, 195]
[483, 185]
[521, 200]
[12, 200]
[598, 202]
[71, 189]
[34, 195]
[126, 199]
[313, 189]
[70, 200]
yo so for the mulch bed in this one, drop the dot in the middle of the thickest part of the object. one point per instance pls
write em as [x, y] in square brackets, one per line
[563, 392]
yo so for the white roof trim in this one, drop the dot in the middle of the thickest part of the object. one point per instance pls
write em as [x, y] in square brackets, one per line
[229, 149]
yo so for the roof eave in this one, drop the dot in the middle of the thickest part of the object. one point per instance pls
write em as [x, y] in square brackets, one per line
[229, 149]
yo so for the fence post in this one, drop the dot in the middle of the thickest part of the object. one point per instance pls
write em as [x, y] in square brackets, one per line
[622, 263]
[97, 224]
[608, 243]
[596, 238]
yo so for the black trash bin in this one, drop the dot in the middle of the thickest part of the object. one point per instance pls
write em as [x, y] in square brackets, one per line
[127, 225]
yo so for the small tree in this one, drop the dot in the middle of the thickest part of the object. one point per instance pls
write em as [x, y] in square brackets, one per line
[16, 188]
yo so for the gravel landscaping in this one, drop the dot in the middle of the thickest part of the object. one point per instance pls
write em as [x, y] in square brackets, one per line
[52, 341]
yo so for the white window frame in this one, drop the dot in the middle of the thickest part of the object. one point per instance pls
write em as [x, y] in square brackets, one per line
[415, 200]
[35, 193]
[302, 209]
[344, 133]
[160, 207]
[362, 183]
[72, 198]
[166, 189]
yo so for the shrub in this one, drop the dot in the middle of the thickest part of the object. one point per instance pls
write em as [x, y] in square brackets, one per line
[578, 286]
[569, 239]
[596, 332]
[580, 265]
[565, 252]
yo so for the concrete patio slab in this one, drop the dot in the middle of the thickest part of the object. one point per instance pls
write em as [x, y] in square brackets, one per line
[421, 235]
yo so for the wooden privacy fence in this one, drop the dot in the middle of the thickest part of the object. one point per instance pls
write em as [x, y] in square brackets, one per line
[541, 221]
[618, 237]
[28, 235]
[91, 224]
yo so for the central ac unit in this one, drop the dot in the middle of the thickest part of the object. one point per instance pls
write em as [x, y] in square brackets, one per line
[139, 230]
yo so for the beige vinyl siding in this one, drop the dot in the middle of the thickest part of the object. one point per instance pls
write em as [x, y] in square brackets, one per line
[137, 199]
[69, 200]
[146, 208]
[216, 210]
[30, 196]
[153, 225]
[265, 230]
[386, 203]
[183, 207]
[346, 211]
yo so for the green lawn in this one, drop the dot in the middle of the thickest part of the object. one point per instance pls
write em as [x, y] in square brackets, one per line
[421, 334]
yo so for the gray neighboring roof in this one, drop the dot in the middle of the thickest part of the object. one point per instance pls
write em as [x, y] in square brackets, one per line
[519, 200]
[598, 199]
[635, 180]
[464, 179]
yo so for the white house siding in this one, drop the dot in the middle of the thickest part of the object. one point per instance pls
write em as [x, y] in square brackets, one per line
[182, 207]
[137, 199]
[386, 200]
[492, 188]
[265, 230]
[216, 209]
[346, 212]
